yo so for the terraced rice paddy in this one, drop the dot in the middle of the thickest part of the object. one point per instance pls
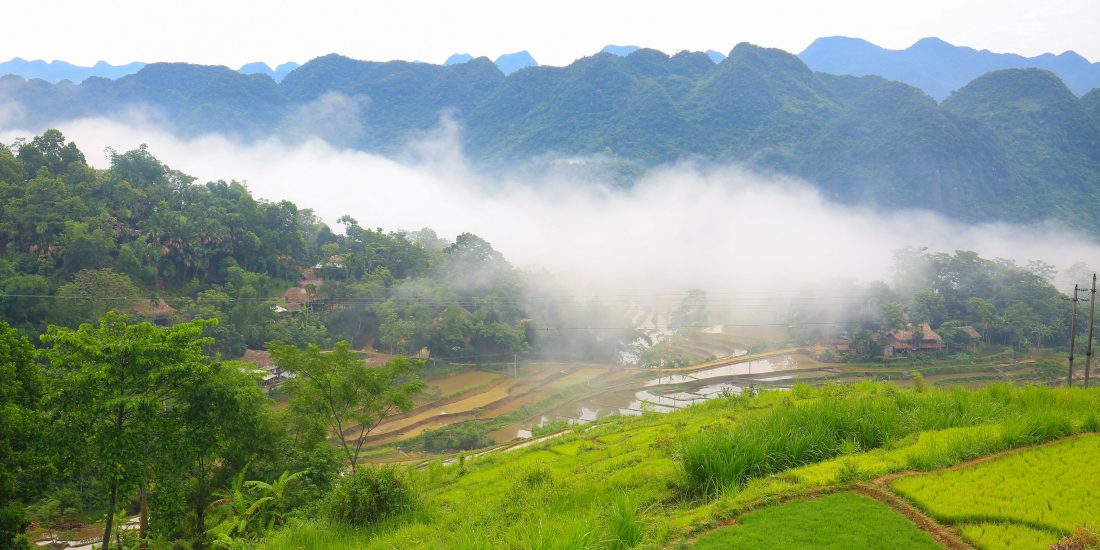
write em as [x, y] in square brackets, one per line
[460, 382]
[1033, 495]
[840, 521]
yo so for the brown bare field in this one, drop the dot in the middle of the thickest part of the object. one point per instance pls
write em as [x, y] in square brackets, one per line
[578, 376]
[455, 383]
[478, 400]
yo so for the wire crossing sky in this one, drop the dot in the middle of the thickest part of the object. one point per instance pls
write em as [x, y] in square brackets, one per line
[555, 33]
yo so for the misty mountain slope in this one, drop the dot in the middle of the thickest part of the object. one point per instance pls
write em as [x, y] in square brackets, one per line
[1013, 145]
[938, 67]
[1090, 102]
[893, 136]
[757, 99]
[1044, 129]
[399, 98]
[603, 103]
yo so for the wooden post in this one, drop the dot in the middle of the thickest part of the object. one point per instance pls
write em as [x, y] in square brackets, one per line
[1092, 318]
[1072, 335]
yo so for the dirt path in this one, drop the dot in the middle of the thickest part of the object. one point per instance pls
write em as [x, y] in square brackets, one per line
[943, 535]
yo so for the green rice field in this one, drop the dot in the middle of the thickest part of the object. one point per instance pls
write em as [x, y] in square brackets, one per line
[840, 520]
[1025, 499]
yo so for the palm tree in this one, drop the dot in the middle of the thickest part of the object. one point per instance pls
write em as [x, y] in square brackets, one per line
[254, 507]
[273, 505]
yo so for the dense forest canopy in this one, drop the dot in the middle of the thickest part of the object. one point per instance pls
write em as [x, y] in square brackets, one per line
[76, 242]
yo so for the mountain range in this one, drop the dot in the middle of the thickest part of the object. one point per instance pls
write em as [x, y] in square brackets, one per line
[930, 64]
[938, 67]
[1013, 144]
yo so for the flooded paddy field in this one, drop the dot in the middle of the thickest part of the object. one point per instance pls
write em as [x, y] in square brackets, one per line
[577, 393]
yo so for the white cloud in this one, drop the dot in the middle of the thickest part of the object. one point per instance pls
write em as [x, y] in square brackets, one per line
[687, 225]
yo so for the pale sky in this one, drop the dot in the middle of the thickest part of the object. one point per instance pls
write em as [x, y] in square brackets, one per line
[233, 32]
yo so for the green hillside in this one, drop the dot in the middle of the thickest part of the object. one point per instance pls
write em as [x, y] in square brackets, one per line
[1012, 145]
[624, 483]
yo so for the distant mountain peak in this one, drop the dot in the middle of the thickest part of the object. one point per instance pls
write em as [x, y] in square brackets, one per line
[458, 58]
[257, 67]
[715, 55]
[930, 42]
[511, 62]
[621, 51]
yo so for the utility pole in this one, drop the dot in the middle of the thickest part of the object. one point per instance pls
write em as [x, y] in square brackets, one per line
[1092, 317]
[1072, 335]
[515, 365]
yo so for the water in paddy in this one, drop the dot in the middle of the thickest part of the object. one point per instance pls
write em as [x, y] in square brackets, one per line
[659, 396]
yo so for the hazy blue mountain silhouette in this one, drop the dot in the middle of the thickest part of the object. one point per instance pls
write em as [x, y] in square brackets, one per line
[277, 74]
[938, 67]
[457, 58]
[512, 62]
[56, 71]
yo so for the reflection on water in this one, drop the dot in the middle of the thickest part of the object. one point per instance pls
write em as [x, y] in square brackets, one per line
[760, 366]
[652, 400]
[588, 415]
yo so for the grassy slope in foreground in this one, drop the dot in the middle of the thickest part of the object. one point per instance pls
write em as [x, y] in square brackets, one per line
[1056, 488]
[561, 493]
[826, 522]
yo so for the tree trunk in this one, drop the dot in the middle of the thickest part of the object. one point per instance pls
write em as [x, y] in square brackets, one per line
[200, 521]
[200, 506]
[113, 500]
[143, 521]
[110, 515]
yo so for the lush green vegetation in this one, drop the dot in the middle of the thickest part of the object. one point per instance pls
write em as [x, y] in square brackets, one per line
[140, 237]
[796, 434]
[841, 520]
[1007, 304]
[561, 493]
[1012, 145]
[1050, 488]
[457, 437]
[106, 416]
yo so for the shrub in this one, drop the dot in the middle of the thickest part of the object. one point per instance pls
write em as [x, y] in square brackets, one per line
[459, 437]
[549, 428]
[849, 473]
[627, 525]
[916, 380]
[369, 495]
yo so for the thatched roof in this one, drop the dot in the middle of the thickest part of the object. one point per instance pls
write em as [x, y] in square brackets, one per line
[160, 309]
[970, 332]
[927, 334]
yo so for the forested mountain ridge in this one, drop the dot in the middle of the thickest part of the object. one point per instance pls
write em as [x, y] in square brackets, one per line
[859, 139]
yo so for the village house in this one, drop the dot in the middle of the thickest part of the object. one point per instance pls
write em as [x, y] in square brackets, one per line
[833, 349]
[271, 376]
[903, 342]
[971, 338]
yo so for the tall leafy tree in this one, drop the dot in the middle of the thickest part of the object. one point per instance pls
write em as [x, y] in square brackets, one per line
[20, 391]
[111, 382]
[352, 397]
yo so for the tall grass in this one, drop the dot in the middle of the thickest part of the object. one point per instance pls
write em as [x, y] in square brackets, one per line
[626, 523]
[830, 423]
